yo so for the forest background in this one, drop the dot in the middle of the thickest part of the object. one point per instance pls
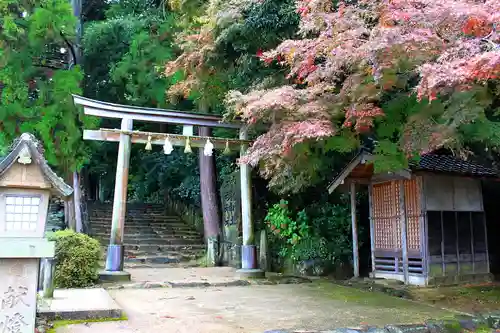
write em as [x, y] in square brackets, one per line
[315, 80]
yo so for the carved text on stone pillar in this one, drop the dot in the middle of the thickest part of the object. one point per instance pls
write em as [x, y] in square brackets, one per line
[13, 324]
[18, 295]
[11, 299]
[14, 296]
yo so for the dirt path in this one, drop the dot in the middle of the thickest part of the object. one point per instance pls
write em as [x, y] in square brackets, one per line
[312, 306]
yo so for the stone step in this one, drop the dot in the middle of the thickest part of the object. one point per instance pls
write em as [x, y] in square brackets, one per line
[174, 256]
[159, 259]
[151, 235]
[156, 241]
[141, 224]
[148, 232]
[152, 248]
[145, 226]
[142, 218]
[132, 211]
[129, 207]
[136, 216]
[172, 253]
[178, 255]
[145, 236]
[135, 224]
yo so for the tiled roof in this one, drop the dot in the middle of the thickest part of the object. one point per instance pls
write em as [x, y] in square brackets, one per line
[36, 152]
[451, 164]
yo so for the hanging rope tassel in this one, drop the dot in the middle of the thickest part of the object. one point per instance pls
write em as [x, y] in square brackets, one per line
[227, 151]
[187, 148]
[167, 146]
[149, 146]
[208, 150]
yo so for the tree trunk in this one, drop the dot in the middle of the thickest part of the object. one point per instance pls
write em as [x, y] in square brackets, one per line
[210, 203]
[69, 205]
[69, 210]
[77, 202]
[75, 207]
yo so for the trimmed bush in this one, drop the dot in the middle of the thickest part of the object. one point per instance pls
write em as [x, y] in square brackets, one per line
[77, 259]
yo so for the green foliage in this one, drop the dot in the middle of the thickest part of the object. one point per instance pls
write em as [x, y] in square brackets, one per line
[77, 259]
[292, 231]
[35, 82]
[319, 233]
[124, 55]
[153, 173]
[331, 242]
[140, 68]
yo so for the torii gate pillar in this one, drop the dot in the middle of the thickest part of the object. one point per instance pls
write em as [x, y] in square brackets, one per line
[115, 254]
[249, 265]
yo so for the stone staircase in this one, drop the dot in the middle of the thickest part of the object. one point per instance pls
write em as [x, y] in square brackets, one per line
[151, 235]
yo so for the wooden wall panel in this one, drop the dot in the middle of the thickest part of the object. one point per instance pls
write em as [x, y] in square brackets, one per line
[386, 216]
[413, 213]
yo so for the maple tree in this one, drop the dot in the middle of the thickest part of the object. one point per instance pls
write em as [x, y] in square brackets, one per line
[413, 74]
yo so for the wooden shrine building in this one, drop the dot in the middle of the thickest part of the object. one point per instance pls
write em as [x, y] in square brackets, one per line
[427, 223]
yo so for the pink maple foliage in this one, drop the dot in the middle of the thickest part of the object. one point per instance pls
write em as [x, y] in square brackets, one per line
[346, 57]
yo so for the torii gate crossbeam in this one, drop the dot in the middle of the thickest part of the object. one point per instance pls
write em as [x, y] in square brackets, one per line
[126, 136]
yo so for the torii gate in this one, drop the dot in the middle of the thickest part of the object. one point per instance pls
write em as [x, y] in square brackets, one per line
[125, 136]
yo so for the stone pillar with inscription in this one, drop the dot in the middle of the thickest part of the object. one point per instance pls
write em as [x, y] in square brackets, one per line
[26, 183]
[231, 218]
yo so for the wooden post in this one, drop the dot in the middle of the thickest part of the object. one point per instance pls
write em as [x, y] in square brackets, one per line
[355, 251]
[248, 249]
[486, 244]
[404, 238]
[424, 238]
[372, 226]
[457, 248]
[443, 265]
[114, 260]
[473, 256]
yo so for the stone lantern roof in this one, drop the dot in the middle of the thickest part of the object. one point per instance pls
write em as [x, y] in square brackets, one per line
[27, 149]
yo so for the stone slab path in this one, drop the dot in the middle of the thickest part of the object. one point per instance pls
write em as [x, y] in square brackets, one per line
[183, 274]
[312, 306]
[77, 304]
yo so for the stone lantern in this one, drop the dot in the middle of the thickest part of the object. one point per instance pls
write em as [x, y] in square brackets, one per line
[26, 183]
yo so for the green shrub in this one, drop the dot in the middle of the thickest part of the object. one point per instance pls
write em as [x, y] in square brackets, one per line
[77, 259]
[318, 235]
[291, 230]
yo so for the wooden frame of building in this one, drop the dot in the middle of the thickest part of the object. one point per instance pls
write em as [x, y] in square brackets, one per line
[427, 223]
[126, 136]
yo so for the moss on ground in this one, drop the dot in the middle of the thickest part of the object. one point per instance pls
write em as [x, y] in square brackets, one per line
[468, 298]
[390, 307]
[62, 323]
[471, 299]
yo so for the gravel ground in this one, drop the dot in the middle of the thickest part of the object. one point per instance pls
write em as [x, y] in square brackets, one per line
[313, 306]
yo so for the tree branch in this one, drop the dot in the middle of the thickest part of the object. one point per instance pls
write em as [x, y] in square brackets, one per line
[48, 66]
[70, 47]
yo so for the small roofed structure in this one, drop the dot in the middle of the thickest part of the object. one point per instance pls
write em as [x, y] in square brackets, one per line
[26, 183]
[427, 223]
[31, 169]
